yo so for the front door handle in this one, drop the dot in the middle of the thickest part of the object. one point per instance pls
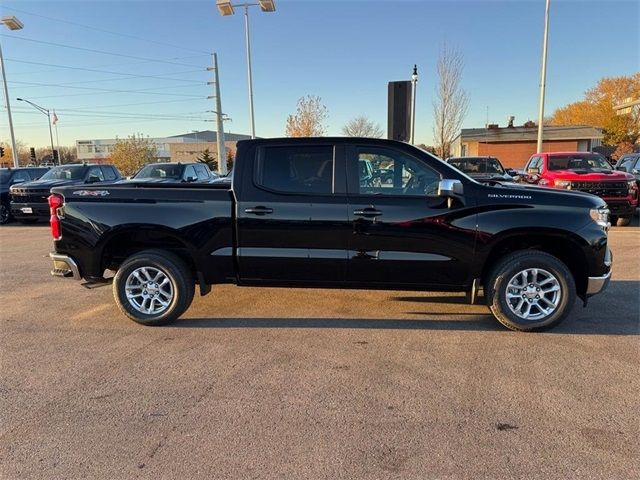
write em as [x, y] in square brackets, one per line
[260, 210]
[367, 212]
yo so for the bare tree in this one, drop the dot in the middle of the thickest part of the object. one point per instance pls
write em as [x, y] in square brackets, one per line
[362, 127]
[309, 118]
[451, 104]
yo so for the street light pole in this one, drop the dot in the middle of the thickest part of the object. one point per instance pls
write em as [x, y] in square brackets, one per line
[226, 8]
[543, 77]
[48, 114]
[12, 23]
[414, 82]
[249, 73]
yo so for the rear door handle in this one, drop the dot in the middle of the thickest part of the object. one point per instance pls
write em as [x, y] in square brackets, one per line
[367, 212]
[260, 210]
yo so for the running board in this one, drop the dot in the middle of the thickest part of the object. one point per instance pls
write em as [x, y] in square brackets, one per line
[91, 284]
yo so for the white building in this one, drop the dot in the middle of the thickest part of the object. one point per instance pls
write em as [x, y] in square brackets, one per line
[100, 149]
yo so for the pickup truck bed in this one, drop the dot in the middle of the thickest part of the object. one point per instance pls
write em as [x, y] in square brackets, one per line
[304, 213]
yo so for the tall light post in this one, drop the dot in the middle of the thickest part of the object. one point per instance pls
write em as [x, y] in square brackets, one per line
[543, 76]
[414, 82]
[12, 23]
[226, 8]
[48, 114]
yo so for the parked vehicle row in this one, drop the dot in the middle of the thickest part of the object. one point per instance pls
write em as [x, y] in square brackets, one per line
[25, 191]
[304, 212]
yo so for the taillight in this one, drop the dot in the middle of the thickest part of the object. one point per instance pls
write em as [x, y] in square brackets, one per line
[55, 202]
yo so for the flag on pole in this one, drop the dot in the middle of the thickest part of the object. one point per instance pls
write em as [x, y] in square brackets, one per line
[55, 118]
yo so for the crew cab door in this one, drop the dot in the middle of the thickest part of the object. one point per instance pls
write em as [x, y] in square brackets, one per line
[292, 222]
[403, 233]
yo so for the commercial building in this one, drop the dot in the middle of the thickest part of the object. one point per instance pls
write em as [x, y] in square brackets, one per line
[174, 148]
[514, 145]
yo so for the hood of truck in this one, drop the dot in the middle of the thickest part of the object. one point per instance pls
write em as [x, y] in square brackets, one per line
[584, 175]
[534, 195]
[44, 184]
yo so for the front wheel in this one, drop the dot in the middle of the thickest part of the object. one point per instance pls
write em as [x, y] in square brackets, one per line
[530, 290]
[5, 213]
[623, 221]
[153, 287]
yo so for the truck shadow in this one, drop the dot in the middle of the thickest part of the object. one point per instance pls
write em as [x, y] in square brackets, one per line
[615, 312]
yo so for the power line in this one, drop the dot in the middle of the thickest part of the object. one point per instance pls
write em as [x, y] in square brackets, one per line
[98, 29]
[71, 84]
[92, 50]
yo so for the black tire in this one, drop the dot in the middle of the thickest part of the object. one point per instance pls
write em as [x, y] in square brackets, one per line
[173, 268]
[5, 214]
[623, 221]
[506, 270]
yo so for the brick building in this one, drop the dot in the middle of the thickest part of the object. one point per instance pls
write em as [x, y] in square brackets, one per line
[514, 145]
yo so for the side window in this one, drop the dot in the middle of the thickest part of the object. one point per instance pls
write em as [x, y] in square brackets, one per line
[95, 172]
[189, 172]
[388, 172]
[637, 167]
[108, 173]
[201, 170]
[295, 169]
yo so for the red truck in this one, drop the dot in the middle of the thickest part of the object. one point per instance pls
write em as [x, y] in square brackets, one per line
[586, 172]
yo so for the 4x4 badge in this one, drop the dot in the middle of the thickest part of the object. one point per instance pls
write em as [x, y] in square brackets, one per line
[91, 193]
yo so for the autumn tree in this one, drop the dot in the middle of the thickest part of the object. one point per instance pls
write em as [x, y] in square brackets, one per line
[309, 118]
[131, 154]
[597, 110]
[362, 127]
[451, 103]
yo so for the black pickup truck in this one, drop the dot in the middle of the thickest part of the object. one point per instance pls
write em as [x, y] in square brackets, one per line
[298, 214]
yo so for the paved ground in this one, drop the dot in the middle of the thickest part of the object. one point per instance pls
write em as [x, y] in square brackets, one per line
[311, 384]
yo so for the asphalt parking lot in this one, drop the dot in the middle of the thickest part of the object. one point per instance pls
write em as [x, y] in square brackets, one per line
[276, 383]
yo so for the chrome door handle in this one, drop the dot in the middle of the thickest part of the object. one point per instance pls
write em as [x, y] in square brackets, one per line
[258, 210]
[367, 212]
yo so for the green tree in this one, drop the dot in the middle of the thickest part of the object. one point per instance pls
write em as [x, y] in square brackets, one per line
[131, 154]
[209, 159]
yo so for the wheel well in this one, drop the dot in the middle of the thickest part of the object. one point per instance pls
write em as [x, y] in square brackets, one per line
[565, 250]
[124, 244]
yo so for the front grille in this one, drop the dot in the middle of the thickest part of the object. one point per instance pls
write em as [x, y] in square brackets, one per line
[602, 189]
[29, 195]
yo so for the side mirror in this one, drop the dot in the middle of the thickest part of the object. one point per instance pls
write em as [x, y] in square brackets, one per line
[622, 169]
[93, 179]
[635, 171]
[450, 188]
[533, 171]
[512, 172]
[191, 179]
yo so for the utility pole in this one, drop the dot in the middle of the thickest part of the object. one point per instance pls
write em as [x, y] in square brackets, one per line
[222, 154]
[14, 149]
[543, 77]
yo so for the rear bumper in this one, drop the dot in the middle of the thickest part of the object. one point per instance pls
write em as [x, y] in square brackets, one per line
[38, 211]
[64, 266]
[596, 285]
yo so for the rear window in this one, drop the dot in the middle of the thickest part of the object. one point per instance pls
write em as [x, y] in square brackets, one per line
[578, 162]
[296, 169]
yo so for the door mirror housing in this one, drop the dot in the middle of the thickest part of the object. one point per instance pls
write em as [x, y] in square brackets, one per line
[513, 172]
[533, 171]
[622, 169]
[93, 179]
[191, 179]
[450, 188]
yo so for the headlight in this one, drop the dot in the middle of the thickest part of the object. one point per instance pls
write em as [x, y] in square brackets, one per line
[562, 183]
[600, 215]
[632, 185]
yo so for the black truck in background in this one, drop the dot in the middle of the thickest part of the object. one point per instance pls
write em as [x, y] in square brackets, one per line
[300, 213]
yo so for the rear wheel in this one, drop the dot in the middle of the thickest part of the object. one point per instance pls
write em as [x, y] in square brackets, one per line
[530, 290]
[5, 213]
[153, 287]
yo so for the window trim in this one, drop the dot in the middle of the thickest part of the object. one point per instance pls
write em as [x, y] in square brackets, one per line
[259, 156]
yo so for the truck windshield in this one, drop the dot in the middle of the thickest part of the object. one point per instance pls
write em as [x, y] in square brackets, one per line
[160, 171]
[589, 161]
[65, 173]
[477, 165]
